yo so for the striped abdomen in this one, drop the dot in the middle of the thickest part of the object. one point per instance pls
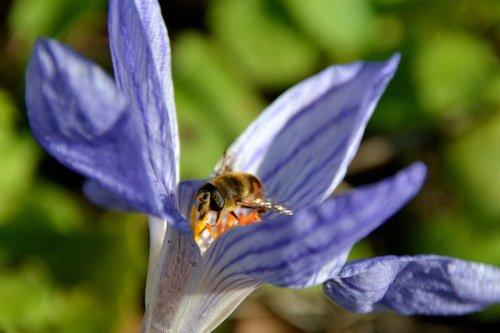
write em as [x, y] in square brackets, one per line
[237, 187]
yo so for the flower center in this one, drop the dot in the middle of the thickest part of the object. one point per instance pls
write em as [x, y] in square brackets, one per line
[208, 229]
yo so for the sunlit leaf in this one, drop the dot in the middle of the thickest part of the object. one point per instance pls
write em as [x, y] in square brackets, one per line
[342, 27]
[30, 302]
[29, 19]
[18, 158]
[451, 70]
[271, 51]
[214, 101]
[474, 160]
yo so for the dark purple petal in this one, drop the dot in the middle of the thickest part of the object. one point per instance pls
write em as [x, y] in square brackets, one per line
[79, 117]
[301, 145]
[424, 285]
[100, 197]
[140, 51]
[307, 248]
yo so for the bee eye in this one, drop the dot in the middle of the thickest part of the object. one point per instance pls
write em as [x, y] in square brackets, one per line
[208, 193]
[217, 201]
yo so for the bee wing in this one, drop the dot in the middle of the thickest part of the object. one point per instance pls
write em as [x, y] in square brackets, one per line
[266, 205]
[225, 164]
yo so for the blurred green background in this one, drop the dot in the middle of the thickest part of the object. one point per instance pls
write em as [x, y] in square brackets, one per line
[67, 266]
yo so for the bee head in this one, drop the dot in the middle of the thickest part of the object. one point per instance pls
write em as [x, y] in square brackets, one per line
[208, 198]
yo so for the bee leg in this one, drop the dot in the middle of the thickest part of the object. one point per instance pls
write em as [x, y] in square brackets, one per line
[252, 217]
[211, 230]
[230, 221]
[217, 217]
[218, 223]
[233, 214]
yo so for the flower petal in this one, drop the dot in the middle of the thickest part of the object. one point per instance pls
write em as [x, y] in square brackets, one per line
[183, 294]
[212, 298]
[157, 230]
[425, 284]
[140, 51]
[169, 276]
[307, 248]
[301, 145]
[79, 117]
[99, 196]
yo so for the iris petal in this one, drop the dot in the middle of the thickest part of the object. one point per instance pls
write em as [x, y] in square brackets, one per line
[99, 196]
[212, 300]
[301, 145]
[79, 117]
[425, 284]
[293, 251]
[186, 295]
[140, 52]
[186, 195]
[170, 280]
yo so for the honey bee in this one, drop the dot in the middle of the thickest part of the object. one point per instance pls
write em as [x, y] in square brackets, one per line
[230, 190]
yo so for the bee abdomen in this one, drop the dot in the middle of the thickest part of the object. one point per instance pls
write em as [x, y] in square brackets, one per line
[237, 186]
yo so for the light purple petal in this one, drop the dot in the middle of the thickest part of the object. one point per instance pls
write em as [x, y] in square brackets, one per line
[301, 144]
[212, 300]
[307, 248]
[79, 117]
[140, 51]
[169, 279]
[183, 294]
[424, 285]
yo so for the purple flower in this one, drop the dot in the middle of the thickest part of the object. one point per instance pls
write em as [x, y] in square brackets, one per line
[122, 135]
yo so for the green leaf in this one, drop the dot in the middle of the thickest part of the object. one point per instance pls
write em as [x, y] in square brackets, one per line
[263, 42]
[214, 103]
[474, 160]
[342, 27]
[18, 159]
[29, 301]
[455, 233]
[451, 70]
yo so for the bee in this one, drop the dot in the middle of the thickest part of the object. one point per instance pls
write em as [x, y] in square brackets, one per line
[230, 190]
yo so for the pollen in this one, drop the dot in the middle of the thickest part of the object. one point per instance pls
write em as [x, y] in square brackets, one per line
[207, 230]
